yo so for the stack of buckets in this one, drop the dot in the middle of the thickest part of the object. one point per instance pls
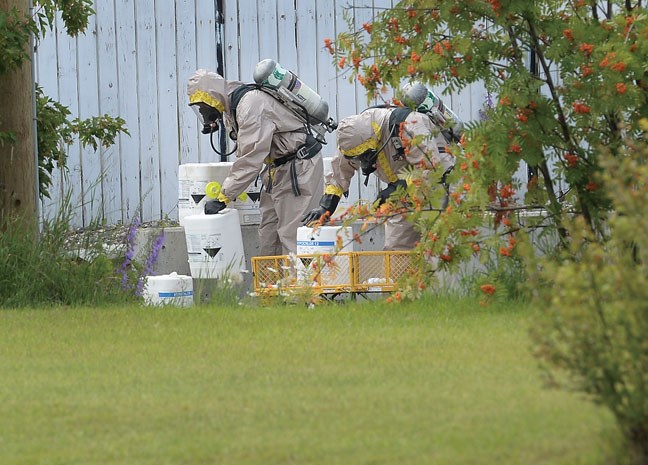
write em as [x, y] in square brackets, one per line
[214, 242]
[199, 182]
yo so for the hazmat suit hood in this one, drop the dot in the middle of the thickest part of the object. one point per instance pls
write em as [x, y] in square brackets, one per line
[211, 88]
[358, 133]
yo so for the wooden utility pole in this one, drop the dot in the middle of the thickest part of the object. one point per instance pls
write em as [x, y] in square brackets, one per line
[18, 176]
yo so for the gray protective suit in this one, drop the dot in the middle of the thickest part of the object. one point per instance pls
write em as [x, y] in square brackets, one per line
[370, 129]
[268, 137]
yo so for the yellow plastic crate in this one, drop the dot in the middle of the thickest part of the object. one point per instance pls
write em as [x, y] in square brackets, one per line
[349, 272]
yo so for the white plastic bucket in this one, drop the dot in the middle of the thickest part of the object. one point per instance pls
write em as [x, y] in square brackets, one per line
[168, 289]
[215, 245]
[323, 239]
[193, 179]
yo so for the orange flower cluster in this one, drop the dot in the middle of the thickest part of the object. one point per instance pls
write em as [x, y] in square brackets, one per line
[488, 289]
[587, 48]
[571, 159]
[586, 70]
[621, 88]
[580, 107]
[328, 45]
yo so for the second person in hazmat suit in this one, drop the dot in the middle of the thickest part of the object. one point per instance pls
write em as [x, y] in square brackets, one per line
[272, 139]
[369, 142]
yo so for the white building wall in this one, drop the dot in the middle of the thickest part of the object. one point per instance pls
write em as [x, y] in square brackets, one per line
[134, 61]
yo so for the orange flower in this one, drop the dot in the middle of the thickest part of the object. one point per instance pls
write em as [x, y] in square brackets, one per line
[411, 13]
[620, 66]
[568, 34]
[342, 62]
[587, 48]
[437, 49]
[505, 101]
[415, 57]
[475, 164]
[475, 247]
[621, 88]
[606, 61]
[586, 70]
[464, 166]
[571, 159]
[328, 45]
[488, 289]
[507, 191]
[445, 258]
[397, 296]
[367, 27]
[389, 300]
[411, 69]
[580, 107]
[505, 252]
[401, 40]
[466, 187]
[515, 148]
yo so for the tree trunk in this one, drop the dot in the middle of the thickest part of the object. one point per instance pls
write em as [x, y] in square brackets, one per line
[18, 161]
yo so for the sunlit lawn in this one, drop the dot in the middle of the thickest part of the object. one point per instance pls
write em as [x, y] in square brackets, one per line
[436, 382]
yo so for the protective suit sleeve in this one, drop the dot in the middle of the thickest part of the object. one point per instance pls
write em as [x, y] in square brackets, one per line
[341, 174]
[254, 141]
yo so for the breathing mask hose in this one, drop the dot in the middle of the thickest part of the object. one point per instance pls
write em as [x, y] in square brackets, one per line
[223, 155]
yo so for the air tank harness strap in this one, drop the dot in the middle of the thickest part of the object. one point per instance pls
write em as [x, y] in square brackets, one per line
[310, 148]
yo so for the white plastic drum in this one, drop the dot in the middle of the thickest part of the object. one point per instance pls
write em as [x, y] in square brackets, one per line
[215, 245]
[197, 180]
[168, 289]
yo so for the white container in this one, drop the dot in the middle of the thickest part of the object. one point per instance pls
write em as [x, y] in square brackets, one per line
[323, 239]
[193, 179]
[215, 245]
[168, 289]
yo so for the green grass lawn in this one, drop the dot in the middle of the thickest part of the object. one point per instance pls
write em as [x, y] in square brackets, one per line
[435, 382]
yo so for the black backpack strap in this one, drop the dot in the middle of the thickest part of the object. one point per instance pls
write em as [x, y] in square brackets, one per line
[398, 116]
[237, 95]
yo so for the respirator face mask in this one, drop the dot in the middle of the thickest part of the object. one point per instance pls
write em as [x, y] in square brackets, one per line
[367, 161]
[208, 116]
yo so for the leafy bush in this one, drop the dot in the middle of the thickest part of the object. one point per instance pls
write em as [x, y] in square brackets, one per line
[592, 323]
[49, 271]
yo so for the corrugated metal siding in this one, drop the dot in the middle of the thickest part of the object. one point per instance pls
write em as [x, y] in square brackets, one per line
[134, 61]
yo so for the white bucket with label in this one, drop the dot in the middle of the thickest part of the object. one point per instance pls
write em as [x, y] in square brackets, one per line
[323, 239]
[198, 182]
[168, 289]
[215, 245]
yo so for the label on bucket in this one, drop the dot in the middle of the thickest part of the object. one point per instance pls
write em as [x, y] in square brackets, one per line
[175, 294]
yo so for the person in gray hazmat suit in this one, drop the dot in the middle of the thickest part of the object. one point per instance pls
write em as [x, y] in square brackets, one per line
[371, 141]
[270, 139]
